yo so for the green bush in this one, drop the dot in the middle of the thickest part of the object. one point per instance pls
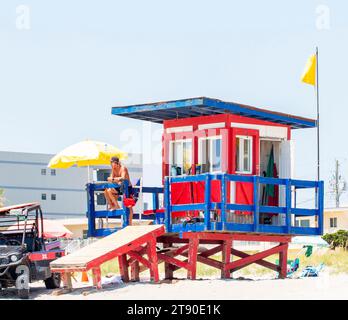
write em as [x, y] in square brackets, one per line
[338, 239]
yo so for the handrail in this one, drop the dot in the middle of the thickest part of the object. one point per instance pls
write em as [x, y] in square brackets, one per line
[223, 206]
[93, 214]
[255, 208]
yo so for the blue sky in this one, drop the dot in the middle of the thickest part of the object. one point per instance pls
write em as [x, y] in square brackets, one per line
[60, 78]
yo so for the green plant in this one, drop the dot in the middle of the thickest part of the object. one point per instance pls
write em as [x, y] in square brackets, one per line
[337, 239]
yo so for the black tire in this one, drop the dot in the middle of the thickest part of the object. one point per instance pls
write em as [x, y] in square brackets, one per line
[53, 282]
[23, 293]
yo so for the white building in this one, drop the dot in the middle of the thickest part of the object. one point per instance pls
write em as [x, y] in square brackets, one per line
[24, 177]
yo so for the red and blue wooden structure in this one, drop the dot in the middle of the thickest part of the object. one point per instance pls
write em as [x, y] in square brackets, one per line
[224, 203]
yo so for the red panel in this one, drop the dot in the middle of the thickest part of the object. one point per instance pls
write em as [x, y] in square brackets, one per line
[195, 121]
[151, 211]
[227, 118]
[213, 237]
[244, 194]
[193, 192]
[242, 119]
[181, 193]
[199, 189]
[46, 255]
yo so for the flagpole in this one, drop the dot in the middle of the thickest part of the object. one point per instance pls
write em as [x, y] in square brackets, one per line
[318, 114]
[318, 127]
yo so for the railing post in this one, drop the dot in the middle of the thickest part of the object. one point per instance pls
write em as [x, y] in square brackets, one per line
[125, 221]
[288, 206]
[90, 210]
[223, 200]
[167, 205]
[321, 207]
[155, 200]
[256, 203]
[207, 198]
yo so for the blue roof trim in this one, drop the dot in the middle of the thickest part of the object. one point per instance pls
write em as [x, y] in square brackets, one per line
[158, 112]
[158, 106]
[261, 113]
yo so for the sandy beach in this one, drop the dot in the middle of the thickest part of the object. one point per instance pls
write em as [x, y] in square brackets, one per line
[324, 287]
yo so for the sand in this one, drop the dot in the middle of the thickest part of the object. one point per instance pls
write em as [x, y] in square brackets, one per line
[324, 287]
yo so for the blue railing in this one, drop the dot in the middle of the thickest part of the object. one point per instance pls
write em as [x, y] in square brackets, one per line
[94, 215]
[225, 208]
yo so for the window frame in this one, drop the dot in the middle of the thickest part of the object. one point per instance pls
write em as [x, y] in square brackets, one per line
[200, 155]
[44, 196]
[170, 162]
[241, 154]
[43, 172]
[334, 224]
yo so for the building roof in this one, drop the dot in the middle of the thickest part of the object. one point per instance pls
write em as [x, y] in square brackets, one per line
[340, 209]
[194, 107]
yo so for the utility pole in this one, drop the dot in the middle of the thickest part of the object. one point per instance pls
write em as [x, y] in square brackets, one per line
[338, 184]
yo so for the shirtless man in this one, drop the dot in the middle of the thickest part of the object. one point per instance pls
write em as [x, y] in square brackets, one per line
[119, 173]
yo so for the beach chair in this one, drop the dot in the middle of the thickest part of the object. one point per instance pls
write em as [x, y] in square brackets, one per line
[311, 271]
[293, 267]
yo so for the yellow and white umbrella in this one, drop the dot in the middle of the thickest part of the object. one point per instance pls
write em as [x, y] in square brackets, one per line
[86, 153]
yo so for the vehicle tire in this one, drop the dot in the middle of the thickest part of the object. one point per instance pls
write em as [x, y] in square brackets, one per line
[23, 293]
[53, 282]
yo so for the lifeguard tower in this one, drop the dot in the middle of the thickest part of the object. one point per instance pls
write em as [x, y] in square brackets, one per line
[227, 176]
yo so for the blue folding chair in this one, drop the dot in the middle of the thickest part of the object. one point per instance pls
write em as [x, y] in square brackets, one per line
[311, 271]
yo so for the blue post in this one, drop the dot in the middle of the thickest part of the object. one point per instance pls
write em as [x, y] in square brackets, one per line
[90, 210]
[125, 219]
[223, 200]
[155, 206]
[321, 207]
[155, 202]
[167, 205]
[207, 197]
[288, 206]
[256, 204]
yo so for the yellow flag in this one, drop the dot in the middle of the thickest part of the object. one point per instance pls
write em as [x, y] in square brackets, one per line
[308, 75]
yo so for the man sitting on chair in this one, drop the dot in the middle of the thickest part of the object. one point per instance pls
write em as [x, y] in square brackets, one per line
[119, 173]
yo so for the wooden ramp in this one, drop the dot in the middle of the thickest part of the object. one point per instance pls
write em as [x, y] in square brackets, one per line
[126, 241]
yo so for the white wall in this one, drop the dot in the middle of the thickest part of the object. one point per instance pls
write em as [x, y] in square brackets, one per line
[21, 178]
